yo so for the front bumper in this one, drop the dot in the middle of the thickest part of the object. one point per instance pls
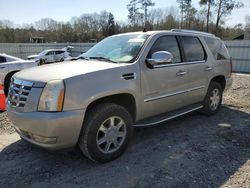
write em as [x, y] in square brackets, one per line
[63, 127]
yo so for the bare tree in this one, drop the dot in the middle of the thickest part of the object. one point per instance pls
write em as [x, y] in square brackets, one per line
[209, 4]
[187, 11]
[133, 10]
[46, 24]
[99, 25]
[145, 4]
[181, 6]
[224, 8]
[6, 24]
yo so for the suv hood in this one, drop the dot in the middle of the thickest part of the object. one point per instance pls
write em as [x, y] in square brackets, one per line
[64, 70]
[21, 61]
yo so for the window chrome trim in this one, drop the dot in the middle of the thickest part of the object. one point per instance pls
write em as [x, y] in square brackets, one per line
[177, 64]
[173, 94]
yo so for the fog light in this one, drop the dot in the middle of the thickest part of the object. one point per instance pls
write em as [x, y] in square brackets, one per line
[42, 139]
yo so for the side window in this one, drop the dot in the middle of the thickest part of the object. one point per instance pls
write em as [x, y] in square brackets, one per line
[193, 49]
[2, 59]
[217, 48]
[167, 43]
[49, 53]
[59, 52]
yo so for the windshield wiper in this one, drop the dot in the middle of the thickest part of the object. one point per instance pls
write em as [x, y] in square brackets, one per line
[102, 58]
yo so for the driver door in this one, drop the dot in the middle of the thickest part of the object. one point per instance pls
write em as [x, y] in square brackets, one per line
[164, 86]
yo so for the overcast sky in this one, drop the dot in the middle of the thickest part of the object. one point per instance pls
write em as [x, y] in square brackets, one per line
[29, 11]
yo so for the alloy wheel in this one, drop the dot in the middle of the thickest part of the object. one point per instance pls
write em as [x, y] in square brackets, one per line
[111, 134]
[215, 99]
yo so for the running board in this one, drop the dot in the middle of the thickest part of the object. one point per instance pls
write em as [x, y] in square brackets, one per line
[167, 116]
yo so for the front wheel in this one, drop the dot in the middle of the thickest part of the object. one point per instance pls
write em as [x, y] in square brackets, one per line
[42, 62]
[106, 132]
[213, 99]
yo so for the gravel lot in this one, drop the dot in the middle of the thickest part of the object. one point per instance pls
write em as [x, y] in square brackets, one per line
[192, 151]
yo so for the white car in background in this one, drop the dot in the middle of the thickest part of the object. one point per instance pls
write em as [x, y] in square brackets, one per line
[9, 65]
[51, 56]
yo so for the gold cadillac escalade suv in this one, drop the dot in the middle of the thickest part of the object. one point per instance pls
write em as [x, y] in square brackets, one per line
[126, 80]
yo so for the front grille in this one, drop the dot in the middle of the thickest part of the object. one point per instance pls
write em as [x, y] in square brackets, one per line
[18, 92]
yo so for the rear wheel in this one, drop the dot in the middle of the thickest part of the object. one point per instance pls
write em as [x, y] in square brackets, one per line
[213, 99]
[106, 132]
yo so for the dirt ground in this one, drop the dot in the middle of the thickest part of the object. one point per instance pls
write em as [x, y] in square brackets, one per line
[192, 151]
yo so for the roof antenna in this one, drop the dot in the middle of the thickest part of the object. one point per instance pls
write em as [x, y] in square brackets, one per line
[144, 30]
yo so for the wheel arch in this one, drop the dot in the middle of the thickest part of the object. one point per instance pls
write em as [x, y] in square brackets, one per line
[6, 78]
[220, 79]
[126, 100]
[10, 74]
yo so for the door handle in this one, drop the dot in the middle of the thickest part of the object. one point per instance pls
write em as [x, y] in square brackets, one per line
[2, 67]
[181, 73]
[208, 68]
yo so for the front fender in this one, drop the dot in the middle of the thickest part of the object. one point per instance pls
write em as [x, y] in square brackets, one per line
[82, 90]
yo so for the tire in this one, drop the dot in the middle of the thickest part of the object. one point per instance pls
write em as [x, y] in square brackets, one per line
[61, 60]
[113, 140]
[42, 62]
[213, 99]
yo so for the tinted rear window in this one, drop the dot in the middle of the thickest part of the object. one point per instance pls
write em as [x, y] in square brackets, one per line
[217, 48]
[193, 49]
[59, 52]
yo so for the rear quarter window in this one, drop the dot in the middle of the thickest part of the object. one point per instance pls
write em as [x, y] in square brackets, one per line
[193, 49]
[59, 52]
[2, 59]
[217, 48]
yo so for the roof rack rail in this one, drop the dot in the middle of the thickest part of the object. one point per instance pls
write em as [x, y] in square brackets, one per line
[192, 31]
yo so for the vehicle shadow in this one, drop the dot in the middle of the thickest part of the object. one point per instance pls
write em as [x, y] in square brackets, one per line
[192, 151]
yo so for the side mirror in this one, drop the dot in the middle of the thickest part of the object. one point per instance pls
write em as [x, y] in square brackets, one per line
[160, 58]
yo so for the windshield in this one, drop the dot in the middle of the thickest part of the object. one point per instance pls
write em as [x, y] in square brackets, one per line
[43, 53]
[118, 49]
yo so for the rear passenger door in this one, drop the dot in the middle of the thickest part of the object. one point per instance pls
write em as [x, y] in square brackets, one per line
[219, 55]
[59, 55]
[199, 68]
[49, 57]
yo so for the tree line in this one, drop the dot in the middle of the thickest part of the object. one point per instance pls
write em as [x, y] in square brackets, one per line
[210, 17]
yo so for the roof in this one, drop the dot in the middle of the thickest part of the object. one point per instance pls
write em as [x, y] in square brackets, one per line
[48, 50]
[176, 31]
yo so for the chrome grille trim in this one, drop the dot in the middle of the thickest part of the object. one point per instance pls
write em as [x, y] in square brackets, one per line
[18, 92]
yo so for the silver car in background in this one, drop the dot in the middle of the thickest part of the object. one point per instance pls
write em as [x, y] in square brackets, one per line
[9, 65]
[51, 56]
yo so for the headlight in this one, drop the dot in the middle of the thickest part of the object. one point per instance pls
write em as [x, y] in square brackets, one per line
[52, 96]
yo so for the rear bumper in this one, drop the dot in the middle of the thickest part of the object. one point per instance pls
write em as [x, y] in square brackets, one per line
[229, 82]
[62, 127]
